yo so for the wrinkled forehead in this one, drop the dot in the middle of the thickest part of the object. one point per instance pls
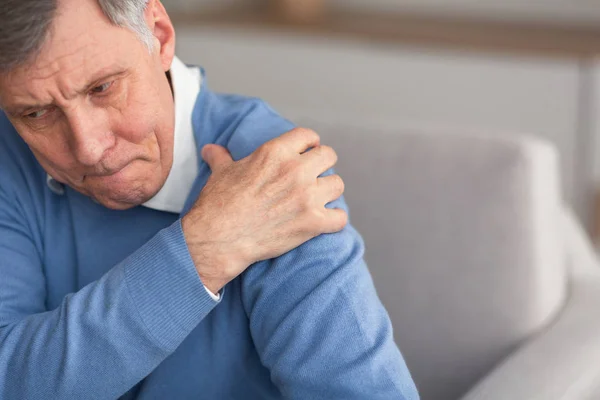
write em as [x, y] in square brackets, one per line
[81, 44]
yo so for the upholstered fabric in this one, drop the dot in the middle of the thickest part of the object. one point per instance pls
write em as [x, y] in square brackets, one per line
[562, 362]
[467, 255]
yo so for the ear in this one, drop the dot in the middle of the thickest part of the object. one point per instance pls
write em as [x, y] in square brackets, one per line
[164, 33]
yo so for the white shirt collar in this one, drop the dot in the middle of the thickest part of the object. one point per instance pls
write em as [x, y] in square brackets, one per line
[186, 84]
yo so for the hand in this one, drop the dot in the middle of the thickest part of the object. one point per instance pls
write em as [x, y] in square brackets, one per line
[261, 206]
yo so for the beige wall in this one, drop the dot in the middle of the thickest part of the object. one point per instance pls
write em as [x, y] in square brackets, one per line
[195, 5]
[583, 12]
[586, 12]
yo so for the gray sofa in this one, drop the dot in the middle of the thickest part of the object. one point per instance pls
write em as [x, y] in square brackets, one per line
[492, 287]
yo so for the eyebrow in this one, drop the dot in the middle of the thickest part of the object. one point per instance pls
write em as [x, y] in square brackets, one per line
[21, 108]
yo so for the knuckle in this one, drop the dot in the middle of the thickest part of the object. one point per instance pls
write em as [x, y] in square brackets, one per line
[342, 221]
[327, 150]
[314, 135]
[316, 155]
[332, 154]
[269, 156]
[307, 133]
[294, 170]
[298, 130]
[289, 167]
[338, 184]
[338, 221]
[326, 154]
[305, 226]
[318, 151]
[314, 218]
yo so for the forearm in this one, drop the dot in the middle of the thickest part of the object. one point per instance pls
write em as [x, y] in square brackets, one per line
[108, 336]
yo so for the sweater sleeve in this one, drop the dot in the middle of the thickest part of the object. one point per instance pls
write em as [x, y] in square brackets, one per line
[319, 325]
[106, 337]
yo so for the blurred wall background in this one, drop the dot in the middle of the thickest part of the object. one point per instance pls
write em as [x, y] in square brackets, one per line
[182, 6]
[485, 66]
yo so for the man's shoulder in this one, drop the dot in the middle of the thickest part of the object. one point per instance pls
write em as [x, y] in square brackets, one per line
[240, 123]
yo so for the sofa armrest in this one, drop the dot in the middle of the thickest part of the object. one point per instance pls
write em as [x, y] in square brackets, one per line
[562, 362]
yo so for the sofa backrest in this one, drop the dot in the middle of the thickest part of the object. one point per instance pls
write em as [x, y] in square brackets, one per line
[462, 240]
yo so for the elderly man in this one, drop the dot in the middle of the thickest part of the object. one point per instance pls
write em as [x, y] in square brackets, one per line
[131, 266]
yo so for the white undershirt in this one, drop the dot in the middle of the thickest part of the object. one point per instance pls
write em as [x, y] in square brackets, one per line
[186, 83]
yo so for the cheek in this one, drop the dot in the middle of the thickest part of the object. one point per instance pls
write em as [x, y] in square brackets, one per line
[58, 166]
[137, 138]
[52, 151]
[135, 130]
[146, 123]
[136, 121]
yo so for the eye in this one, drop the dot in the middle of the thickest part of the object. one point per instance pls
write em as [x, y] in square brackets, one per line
[37, 114]
[102, 88]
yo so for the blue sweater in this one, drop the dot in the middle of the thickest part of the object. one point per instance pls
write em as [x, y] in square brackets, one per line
[98, 304]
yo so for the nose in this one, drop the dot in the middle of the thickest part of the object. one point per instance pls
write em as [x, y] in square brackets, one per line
[91, 136]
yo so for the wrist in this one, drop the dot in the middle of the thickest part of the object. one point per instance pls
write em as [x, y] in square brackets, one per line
[213, 287]
[214, 266]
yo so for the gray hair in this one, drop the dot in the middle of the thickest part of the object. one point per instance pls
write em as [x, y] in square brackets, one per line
[24, 26]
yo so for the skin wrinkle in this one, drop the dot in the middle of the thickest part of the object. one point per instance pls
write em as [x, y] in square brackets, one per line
[87, 134]
[64, 97]
[54, 66]
[62, 74]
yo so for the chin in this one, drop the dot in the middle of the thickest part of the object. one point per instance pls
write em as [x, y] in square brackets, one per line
[121, 203]
[118, 205]
[125, 199]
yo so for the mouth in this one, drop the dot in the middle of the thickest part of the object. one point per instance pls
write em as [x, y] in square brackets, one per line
[114, 171]
[111, 172]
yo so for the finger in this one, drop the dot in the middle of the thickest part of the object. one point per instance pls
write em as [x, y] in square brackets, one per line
[330, 188]
[319, 160]
[335, 220]
[217, 157]
[298, 140]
